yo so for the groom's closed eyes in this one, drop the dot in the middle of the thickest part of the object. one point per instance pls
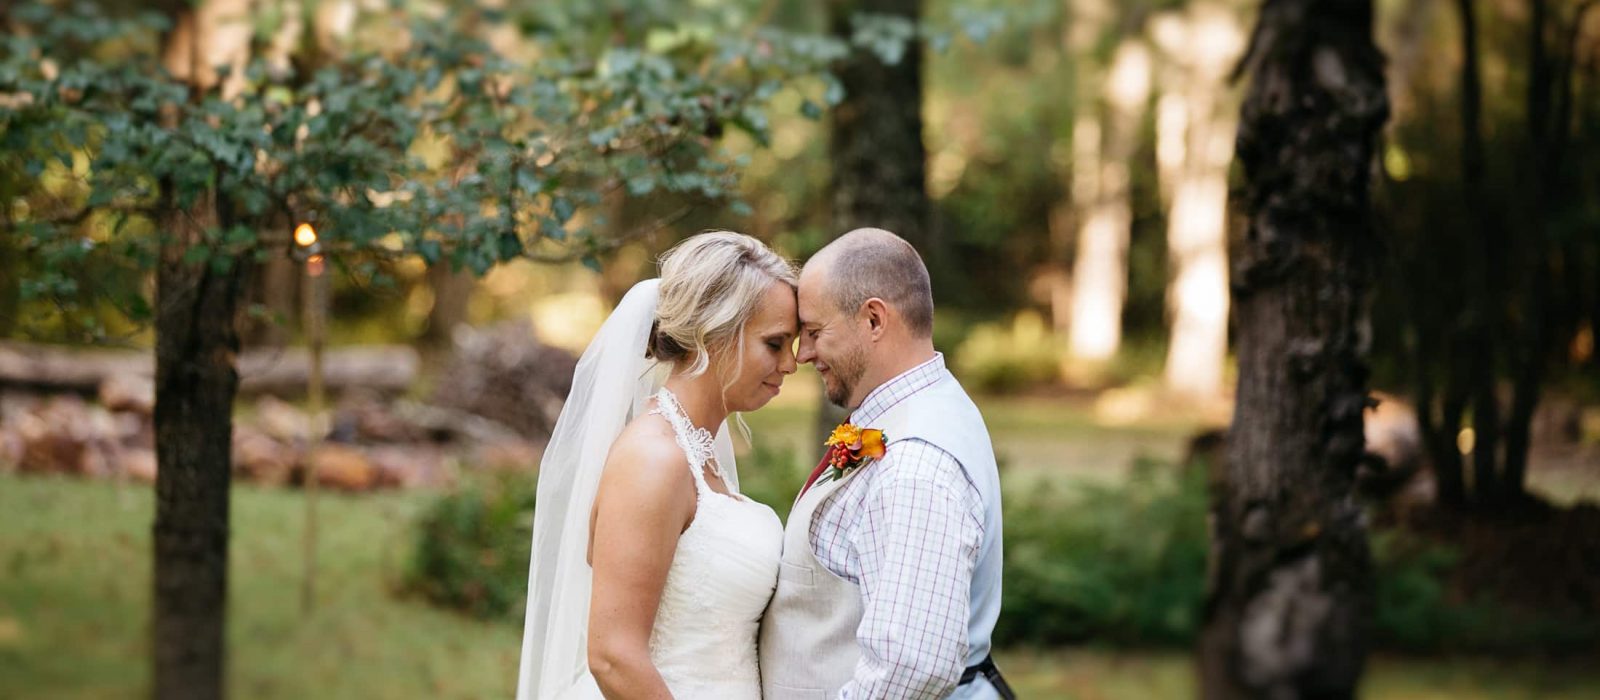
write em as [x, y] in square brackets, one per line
[778, 341]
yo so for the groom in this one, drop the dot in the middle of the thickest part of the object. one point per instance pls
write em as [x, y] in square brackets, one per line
[890, 581]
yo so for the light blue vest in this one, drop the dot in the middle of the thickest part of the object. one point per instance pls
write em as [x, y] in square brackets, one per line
[945, 417]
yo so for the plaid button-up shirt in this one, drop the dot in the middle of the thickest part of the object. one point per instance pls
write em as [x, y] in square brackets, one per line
[907, 532]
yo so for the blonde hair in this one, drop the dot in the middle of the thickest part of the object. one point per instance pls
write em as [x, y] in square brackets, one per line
[711, 284]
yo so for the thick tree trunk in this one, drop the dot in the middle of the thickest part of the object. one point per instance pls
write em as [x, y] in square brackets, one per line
[196, 345]
[1100, 268]
[1289, 602]
[879, 159]
[195, 385]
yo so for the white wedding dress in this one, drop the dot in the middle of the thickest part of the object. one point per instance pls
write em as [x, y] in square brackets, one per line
[722, 575]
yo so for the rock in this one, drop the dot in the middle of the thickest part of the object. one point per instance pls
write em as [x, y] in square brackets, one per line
[51, 452]
[140, 464]
[99, 460]
[134, 430]
[509, 455]
[54, 435]
[258, 458]
[341, 467]
[129, 393]
[362, 418]
[408, 466]
[282, 421]
[505, 374]
[11, 448]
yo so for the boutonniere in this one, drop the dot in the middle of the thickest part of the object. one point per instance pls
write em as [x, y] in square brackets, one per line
[851, 447]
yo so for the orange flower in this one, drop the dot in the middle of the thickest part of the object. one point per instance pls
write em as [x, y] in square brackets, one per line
[872, 446]
[846, 435]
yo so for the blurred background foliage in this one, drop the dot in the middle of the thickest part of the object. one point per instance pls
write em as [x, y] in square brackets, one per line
[1049, 125]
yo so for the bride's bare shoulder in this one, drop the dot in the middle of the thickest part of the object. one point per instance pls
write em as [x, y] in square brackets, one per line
[646, 454]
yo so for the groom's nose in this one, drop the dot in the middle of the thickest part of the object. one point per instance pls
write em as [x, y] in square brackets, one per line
[808, 351]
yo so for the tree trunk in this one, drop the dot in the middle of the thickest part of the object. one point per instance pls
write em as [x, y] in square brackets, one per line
[879, 159]
[1197, 232]
[195, 385]
[452, 291]
[273, 286]
[1100, 268]
[10, 285]
[196, 343]
[1290, 597]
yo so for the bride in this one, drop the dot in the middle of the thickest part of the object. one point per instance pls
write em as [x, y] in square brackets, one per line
[650, 571]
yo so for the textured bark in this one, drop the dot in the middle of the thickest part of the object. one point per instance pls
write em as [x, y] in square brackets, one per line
[1291, 590]
[195, 384]
[10, 284]
[879, 159]
[196, 345]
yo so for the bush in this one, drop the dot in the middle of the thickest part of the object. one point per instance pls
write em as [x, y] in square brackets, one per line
[999, 358]
[1418, 611]
[473, 545]
[1123, 563]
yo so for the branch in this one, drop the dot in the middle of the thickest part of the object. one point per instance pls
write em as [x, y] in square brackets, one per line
[619, 241]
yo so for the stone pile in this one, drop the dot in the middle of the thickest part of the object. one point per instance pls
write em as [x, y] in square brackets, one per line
[497, 401]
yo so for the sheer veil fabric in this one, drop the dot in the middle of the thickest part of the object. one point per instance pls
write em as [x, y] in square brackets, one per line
[611, 386]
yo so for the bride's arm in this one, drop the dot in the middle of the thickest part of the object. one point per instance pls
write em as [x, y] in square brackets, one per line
[644, 502]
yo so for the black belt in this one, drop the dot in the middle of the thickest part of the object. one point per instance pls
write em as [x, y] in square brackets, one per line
[987, 669]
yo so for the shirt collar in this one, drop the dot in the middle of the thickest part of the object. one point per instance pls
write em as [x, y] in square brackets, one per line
[892, 392]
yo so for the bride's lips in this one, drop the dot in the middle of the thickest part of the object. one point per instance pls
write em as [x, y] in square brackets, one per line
[774, 387]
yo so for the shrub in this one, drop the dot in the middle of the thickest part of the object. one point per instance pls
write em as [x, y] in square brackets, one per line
[1000, 358]
[1125, 564]
[1121, 563]
[1416, 609]
[472, 547]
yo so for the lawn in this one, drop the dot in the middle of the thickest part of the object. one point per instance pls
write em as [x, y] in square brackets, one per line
[75, 572]
[73, 615]
[75, 589]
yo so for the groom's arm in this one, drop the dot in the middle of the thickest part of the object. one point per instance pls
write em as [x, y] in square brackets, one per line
[917, 542]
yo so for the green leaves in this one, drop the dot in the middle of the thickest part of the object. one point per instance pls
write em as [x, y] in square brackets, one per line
[449, 150]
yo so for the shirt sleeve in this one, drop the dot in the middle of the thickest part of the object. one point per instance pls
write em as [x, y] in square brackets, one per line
[917, 543]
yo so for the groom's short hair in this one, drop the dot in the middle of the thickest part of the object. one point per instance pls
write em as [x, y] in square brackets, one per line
[872, 262]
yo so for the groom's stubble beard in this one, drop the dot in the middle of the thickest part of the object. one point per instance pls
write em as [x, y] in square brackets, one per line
[846, 370]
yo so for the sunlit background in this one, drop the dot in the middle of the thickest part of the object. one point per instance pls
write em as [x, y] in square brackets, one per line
[1079, 159]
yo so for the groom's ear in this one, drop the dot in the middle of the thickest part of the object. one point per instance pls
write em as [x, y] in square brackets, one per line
[877, 316]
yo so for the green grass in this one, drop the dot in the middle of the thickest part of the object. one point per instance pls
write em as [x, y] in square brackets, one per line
[76, 584]
[1114, 675]
[75, 587]
[74, 591]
